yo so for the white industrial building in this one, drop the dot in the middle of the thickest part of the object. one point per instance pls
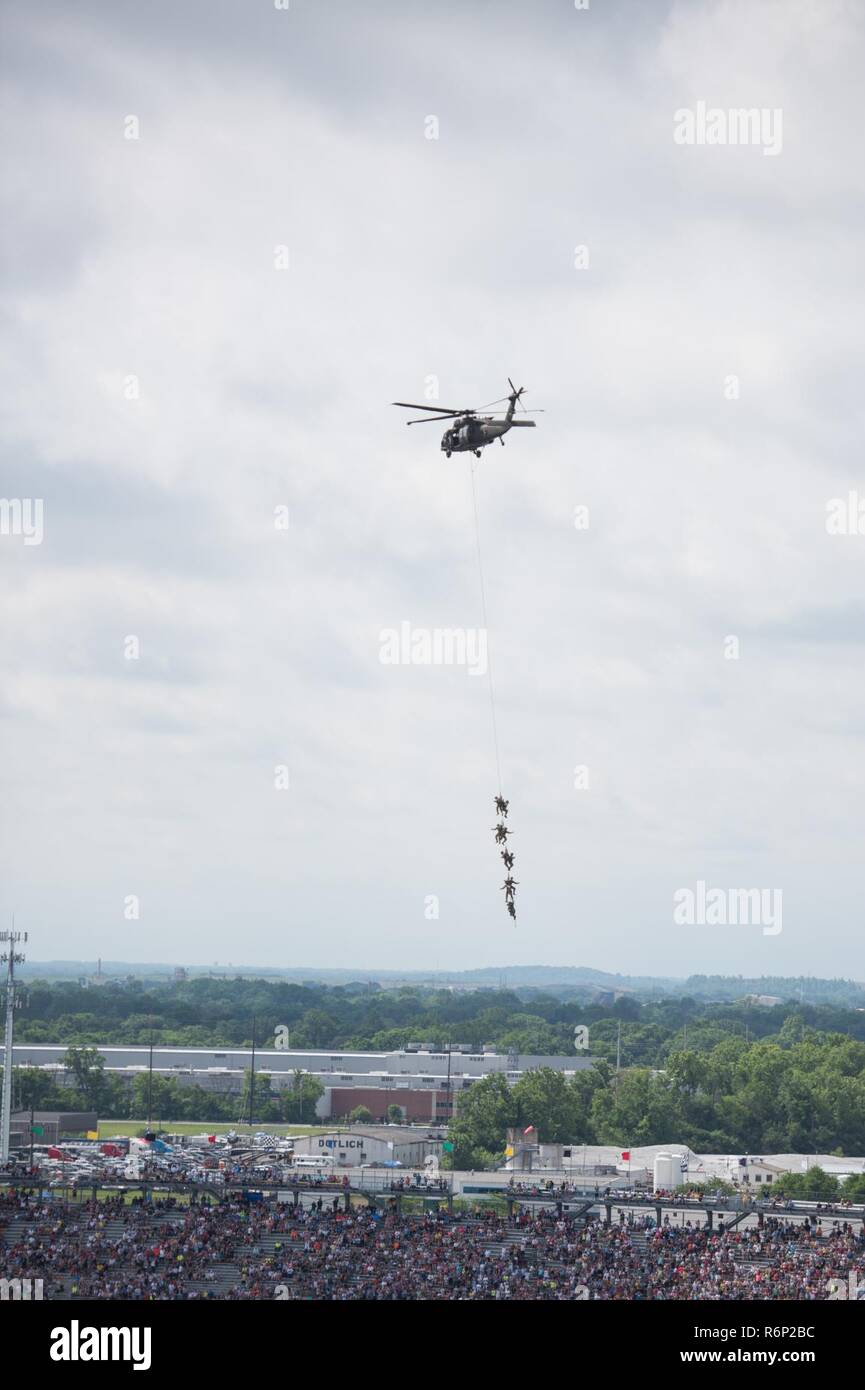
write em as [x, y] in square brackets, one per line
[669, 1165]
[222, 1069]
[370, 1144]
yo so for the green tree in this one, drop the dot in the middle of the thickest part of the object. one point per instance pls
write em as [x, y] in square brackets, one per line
[298, 1102]
[544, 1098]
[854, 1188]
[37, 1090]
[814, 1186]
[486, 1112]
[316, 1029]
[87, 1067]
[161, 1100]
[638, 1108]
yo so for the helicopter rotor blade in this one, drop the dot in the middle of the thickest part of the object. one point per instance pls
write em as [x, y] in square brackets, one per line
[438, 409]
[431, 419]
[443, 412]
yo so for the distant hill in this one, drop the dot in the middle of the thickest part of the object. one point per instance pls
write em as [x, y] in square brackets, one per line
[578, 981]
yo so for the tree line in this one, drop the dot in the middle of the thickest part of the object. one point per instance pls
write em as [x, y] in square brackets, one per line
[207, 1012]
[804, 1097]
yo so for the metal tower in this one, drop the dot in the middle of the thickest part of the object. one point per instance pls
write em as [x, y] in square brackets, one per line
[10, 957]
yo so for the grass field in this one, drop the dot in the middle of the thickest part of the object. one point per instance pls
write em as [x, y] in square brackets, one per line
[130, 1128]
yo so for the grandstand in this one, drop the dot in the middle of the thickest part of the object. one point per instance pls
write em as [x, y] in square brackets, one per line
[233, 1249]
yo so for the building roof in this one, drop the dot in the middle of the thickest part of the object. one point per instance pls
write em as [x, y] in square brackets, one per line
[830, 1163]
[608, 1154]
[56, 1116]
[717, 1164]
[396, 1134]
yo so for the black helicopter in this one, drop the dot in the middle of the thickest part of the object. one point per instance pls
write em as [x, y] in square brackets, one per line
[470, 430]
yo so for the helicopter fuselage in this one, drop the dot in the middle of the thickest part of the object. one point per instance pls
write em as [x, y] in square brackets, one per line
[469, 434]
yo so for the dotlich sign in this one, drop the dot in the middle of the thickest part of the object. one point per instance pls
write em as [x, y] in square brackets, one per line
[346, 1150]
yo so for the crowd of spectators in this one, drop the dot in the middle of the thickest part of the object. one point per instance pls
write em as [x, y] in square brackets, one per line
[549, 1256]
[115, 1249]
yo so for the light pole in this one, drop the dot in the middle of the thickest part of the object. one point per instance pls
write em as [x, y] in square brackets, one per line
[252, 1075]
[150, 1084]
[11, 958]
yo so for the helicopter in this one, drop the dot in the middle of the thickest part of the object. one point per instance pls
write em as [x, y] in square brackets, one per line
[470, 430]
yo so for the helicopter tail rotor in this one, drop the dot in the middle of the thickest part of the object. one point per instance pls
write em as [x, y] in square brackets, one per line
[514, 398]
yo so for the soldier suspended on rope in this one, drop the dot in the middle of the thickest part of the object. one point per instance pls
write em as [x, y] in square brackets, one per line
[509, 902]
[501, 806]
[508, 857]
[509, 887]
[502, 833]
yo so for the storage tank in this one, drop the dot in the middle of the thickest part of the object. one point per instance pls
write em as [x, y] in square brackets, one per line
[663, 1175]
[668, 1172]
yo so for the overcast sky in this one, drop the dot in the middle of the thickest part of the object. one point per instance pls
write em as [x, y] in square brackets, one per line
[259, 388]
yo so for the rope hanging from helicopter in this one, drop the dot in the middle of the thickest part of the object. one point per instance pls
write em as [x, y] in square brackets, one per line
[486, 628]
[501, 828]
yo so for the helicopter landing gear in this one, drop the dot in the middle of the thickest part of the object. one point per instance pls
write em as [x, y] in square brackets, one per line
[477, 453]
[501, 441]
[447, 453]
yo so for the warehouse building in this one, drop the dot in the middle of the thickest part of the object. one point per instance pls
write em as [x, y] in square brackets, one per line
[370, 1144]
[412, 1061]
[666, 1166]
[421, 1080]
[427, 1101]
[49, 1126]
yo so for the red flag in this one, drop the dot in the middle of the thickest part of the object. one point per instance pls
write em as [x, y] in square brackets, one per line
[626, 1156]
[530, 1130]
